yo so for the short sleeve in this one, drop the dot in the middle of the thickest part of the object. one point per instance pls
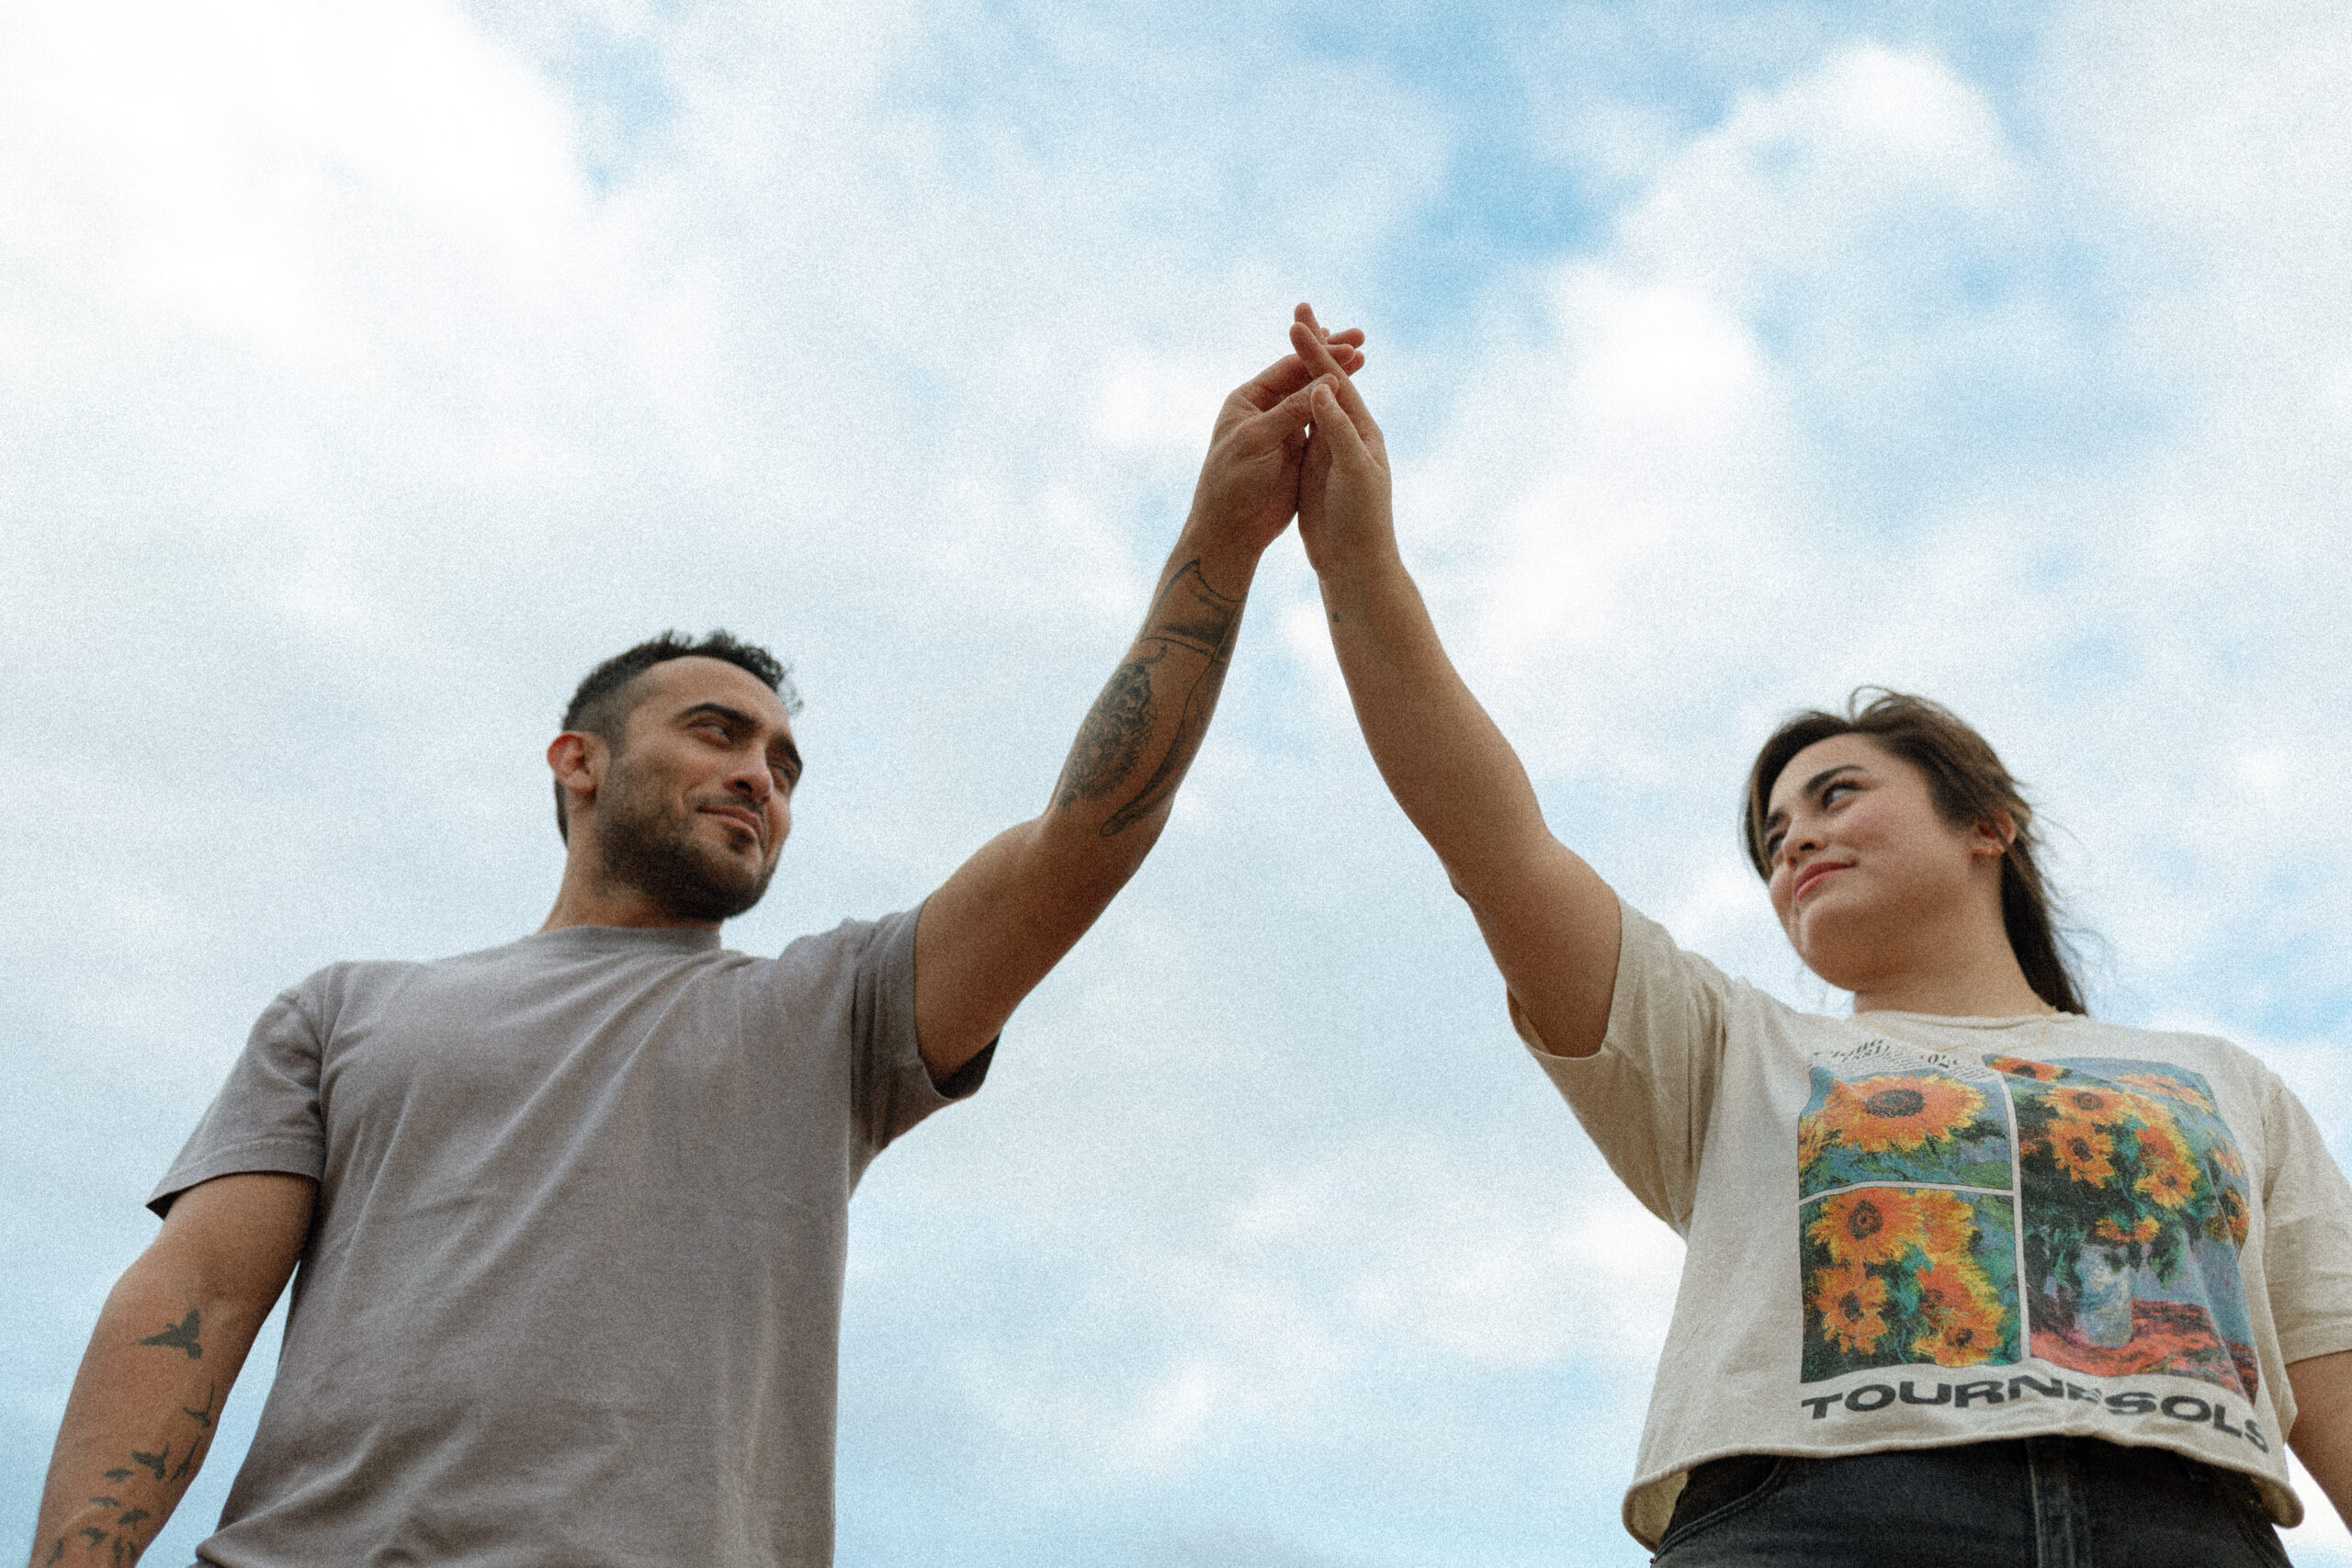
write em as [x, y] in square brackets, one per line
[2306, 1232]
[893, 1087]
[1645, 1097]
[266, 1116]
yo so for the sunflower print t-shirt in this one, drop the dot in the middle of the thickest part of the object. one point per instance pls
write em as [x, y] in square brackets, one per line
[1907, 1230]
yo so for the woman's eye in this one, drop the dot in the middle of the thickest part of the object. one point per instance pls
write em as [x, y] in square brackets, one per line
[1772, 849]
[1830, 796]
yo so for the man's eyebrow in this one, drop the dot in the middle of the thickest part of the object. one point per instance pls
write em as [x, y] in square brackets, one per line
[1780, 814]
[742, 721]
[736, 716]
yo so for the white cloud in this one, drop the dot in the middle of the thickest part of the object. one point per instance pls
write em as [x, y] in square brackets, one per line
[1495, 1276]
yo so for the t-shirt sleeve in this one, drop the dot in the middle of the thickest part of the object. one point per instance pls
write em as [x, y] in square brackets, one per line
[893, 1087]
[266, 1116]
[1645, 1095]
[2306, 1232]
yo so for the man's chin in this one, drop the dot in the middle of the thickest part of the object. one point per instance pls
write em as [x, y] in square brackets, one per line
[716, 899]
[699, 888]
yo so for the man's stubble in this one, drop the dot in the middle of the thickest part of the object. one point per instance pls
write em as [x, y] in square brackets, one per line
[647, 841]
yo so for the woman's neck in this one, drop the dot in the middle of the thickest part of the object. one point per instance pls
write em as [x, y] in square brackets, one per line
[1985, 985]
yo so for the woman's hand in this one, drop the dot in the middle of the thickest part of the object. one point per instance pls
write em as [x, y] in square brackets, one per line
[1344, 512]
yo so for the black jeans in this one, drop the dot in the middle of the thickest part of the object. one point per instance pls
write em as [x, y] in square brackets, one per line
[2026, 1503]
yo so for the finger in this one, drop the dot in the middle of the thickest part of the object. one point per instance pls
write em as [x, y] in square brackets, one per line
[1352, 336]
[1268, 427]
[1336, 425]
[1315, 461]
[1281, 379]
[1314, 353]
[1351, 400]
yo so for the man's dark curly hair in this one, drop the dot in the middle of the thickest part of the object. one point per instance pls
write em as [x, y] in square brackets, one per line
[602, 705]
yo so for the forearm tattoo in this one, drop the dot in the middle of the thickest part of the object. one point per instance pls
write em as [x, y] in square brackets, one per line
[1188, 614]
[114, 1535]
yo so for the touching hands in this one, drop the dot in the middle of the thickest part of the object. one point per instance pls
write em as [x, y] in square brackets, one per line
[1344, 516]
[1248, 488]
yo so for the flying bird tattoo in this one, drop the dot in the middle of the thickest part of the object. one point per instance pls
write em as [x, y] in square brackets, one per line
[181, 1335]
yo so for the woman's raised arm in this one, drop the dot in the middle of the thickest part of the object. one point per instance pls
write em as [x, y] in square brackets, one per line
[1550, 922]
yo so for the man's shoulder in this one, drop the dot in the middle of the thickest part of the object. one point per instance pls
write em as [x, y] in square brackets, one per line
[346, 976]
[852, 936]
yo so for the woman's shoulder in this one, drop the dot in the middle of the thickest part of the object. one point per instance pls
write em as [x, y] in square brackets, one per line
[2211, 1069]
[2092, 1036]
[1653, 962]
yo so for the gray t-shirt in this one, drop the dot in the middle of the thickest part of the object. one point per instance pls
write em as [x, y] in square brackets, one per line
[572, 1292]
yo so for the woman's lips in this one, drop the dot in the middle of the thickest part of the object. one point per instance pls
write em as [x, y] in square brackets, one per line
[1813, 875]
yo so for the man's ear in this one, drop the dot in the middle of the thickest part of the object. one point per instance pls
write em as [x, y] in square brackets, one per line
[577, 759]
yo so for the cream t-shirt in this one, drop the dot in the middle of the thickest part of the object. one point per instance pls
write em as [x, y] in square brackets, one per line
[1907, 1231]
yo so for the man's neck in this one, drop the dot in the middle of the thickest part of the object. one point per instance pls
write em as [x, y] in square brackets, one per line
[589, 899]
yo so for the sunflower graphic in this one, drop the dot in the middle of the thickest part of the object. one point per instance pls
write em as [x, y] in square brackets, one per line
[1899, 1111]
[1852, 1304]
[2082, 1150]
[2018, 1067]
[1895, 1275]
[2168, 1088]
[2232, 1216]
[1877, 1224]
[2169, 1183]
[2160, 1139]
[1947, 1224]
[2097, 1105]
[1963, 1321]
[2129, 1183]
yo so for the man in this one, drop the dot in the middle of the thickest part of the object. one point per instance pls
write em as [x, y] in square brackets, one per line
[570, 1213]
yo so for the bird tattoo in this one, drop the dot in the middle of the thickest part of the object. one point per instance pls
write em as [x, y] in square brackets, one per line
[181, 1335]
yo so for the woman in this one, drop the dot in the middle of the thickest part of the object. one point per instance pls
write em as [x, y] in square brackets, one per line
[1971, 1279]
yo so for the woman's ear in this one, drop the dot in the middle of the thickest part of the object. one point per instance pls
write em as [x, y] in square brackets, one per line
[1993, 834]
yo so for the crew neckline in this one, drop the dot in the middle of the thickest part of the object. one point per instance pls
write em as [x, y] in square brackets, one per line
[1952, 1020]
[686, 939]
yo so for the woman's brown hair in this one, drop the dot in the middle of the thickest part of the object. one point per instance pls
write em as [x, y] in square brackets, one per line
[1969, 785]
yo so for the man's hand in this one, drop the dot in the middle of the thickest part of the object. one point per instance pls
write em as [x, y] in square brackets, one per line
[1006, 917]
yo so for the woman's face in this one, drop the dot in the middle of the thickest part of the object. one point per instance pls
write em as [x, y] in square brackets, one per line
[1864, 868]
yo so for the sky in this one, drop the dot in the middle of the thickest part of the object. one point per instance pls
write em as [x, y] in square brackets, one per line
[370, 372]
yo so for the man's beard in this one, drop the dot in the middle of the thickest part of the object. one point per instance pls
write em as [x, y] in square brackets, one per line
[648, 843]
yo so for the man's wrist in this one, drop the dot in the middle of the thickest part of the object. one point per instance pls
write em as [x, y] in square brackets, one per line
[1227, 566]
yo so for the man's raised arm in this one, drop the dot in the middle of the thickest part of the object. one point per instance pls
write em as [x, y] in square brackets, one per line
[1008, 914]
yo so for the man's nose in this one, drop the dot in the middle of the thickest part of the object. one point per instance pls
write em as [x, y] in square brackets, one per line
[752, 779]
